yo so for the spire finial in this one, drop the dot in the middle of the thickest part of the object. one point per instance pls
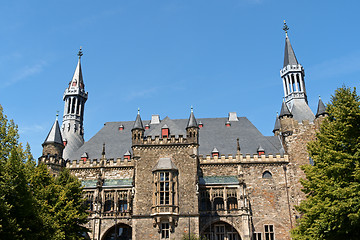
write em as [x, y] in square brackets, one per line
[57, 115]
[285, 28]
[192, 109]
[319, 97]
[138, 111]
[80, 53]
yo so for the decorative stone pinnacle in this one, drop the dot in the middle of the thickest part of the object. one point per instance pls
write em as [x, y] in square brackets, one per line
[285, 28]
[80, 53]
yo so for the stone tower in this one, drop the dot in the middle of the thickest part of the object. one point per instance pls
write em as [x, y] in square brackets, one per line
[53, 149]
[74, 98]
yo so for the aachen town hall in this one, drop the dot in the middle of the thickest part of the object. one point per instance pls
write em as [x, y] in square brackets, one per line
[219, 178]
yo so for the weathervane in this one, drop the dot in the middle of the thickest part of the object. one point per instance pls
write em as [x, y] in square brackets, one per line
[285, 28]
[80, 53]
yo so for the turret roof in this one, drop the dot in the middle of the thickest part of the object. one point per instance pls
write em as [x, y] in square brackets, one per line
[192, 120]
[284, 110]
[54, 135]
[277, 123]
[321, 110]
[138, 123]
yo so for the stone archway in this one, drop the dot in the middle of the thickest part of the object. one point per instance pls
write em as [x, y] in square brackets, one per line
[118, 232]
[220, 230]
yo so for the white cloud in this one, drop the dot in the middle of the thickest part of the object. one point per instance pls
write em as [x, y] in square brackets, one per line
[144, 93]
[25, 72]
[31, 129]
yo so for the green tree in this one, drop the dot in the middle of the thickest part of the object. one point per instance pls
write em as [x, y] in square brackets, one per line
[34, 204]
[18, 216]
[332, 185]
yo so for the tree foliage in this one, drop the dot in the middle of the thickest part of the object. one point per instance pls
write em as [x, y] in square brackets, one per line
[332, 185]
[34, 204]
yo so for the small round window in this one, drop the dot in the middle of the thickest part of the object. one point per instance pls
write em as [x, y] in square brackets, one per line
[267, 174]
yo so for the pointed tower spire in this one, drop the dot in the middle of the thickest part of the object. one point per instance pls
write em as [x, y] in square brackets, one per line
[74, 97]
[285, 111]
[192, 120]
[293, 75]
[54, 135]
[277, 123]
[321, 110]
[289, 55]
[138, 123]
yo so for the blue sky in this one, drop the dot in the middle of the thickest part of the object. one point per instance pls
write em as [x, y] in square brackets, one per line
[164, 56]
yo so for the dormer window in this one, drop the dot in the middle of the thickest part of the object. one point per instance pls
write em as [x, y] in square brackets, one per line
[84, 157]
[65, 142]
[165, 131]
[215, 152]
[260, 151]
[200, 124]
[127, 155]
[147, 126]
[74, 83]
[227, 124]
[121, 127]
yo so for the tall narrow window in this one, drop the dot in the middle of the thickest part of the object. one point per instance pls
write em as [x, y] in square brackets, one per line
[269, 232]
[219, 232]
[164, 188]
[257, 236]
[165, 230]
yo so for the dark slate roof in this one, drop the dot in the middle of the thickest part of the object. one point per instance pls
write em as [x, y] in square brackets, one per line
[284, 110]
[54, 135]
[289, 56]
[321, 110]
[301, 111]
[214, 133]
[138, 123]
[192, 121]
[218, 180]
[165, 164]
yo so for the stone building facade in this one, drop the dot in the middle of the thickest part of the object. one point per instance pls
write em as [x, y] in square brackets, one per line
[219, 178]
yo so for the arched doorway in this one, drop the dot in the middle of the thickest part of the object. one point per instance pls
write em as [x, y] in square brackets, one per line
[221, 231]
[118, 232]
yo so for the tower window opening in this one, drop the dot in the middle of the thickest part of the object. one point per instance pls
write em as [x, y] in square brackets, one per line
[165, 230]
[257, 236]
[219, 203]
[269, 232]
[68, 105]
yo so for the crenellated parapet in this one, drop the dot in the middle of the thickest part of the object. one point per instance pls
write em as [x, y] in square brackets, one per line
[157, 140]
[248, 158]
[93, 163]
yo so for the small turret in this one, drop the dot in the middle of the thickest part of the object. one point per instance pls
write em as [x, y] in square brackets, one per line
[192, 128]
[53, 149]
[286, 120]
[137, 130]
[320, 114]
[277, 125]
[321, 110]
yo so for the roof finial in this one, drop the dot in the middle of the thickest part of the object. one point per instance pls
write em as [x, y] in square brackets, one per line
[192, 109]
[285, 28]
[138, 111]
[319, 97]
[57, 115]
[80, 53]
